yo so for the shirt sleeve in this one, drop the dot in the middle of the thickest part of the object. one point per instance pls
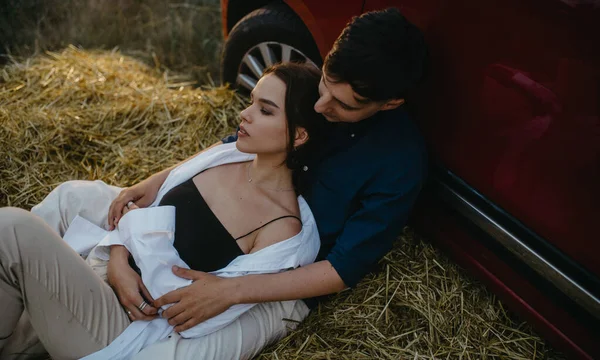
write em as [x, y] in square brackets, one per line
[230, 138]
[148, 234]
[370, 232]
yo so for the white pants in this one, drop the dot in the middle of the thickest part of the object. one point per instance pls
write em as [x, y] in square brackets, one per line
[242, 339]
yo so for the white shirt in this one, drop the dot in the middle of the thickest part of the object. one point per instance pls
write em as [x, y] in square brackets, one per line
[148, 234]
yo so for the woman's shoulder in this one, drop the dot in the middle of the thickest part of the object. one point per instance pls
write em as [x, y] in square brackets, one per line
[279, 230]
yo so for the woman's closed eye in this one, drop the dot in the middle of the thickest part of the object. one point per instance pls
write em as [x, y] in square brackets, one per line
[263, 110]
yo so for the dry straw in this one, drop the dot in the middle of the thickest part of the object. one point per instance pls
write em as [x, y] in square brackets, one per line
[100, 115]
[419, 305]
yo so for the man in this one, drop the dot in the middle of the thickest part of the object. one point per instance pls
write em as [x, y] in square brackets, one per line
[360, 190]
[363, 188]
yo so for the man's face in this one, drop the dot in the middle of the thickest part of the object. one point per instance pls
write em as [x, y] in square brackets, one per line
[339, 103]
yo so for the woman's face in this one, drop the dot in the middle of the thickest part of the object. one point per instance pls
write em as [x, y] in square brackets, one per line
[263, 129]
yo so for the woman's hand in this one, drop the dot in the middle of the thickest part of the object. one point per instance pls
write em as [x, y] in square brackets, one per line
[142, 194]
[130, 206]
[128, 286]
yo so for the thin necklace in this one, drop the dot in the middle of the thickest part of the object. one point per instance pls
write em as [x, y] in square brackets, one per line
[266, 188]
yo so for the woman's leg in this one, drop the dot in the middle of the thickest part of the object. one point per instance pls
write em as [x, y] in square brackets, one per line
[88, 199]
[73, 311]
[23, 343]
[241, 340]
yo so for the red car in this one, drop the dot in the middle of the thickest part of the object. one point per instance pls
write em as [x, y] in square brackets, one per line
[512, 121]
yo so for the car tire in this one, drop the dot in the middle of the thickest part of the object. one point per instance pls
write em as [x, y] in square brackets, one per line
[268, 34]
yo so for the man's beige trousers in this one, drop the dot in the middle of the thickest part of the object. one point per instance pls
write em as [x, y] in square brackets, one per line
[51, 300]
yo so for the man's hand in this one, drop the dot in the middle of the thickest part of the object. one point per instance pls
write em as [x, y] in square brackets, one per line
[142, 194]
[129, 288]
[210, 295]
[206, 297]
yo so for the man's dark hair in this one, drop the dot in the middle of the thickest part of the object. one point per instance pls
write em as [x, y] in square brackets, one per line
[301, 94]
[380, 54]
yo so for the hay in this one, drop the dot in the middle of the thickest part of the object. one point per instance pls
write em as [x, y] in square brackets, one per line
[100, 115]
[184, 35]
[419, 306]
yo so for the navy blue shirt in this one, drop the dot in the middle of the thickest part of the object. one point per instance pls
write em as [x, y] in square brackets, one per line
[362, 188]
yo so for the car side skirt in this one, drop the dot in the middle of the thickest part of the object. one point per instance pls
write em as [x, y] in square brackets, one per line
[449, 190]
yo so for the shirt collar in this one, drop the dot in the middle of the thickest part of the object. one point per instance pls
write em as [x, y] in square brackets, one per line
[358, 128]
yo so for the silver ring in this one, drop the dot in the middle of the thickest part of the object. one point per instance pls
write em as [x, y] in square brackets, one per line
[128, 312]
[142, 305]
[130, 203]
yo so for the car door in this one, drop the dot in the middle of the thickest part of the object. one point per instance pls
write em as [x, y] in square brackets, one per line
[511, 115]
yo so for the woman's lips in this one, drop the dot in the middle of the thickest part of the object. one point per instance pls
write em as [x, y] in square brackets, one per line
[242, 132]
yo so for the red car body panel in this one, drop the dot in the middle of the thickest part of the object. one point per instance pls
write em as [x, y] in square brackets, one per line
[225, 26]
[325, 19]
[516, 105]
[513, 109]
[515, 113]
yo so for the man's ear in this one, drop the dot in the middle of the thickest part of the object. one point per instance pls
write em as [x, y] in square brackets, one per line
[301, 136]
[392, 104]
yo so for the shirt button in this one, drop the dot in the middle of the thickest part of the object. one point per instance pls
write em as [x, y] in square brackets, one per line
[351, 135]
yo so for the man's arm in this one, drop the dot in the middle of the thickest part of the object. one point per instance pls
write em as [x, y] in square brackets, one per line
[160, 177]
[367, 236]
[210, 295]
[313, 280]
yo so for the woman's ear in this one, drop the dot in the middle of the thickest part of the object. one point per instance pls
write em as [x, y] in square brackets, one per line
[301, 136]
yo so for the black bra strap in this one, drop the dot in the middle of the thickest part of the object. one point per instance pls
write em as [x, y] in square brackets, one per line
[262, 226]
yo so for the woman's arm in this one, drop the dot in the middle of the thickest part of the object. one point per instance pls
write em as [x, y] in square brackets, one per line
[128, 285]
[143, 193]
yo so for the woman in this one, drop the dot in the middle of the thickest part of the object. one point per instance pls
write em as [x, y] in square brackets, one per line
[234, 210]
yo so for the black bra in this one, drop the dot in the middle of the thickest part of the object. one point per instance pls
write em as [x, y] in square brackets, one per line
[200, 238]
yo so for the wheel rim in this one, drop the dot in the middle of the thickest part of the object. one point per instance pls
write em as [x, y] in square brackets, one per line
[263, 55]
